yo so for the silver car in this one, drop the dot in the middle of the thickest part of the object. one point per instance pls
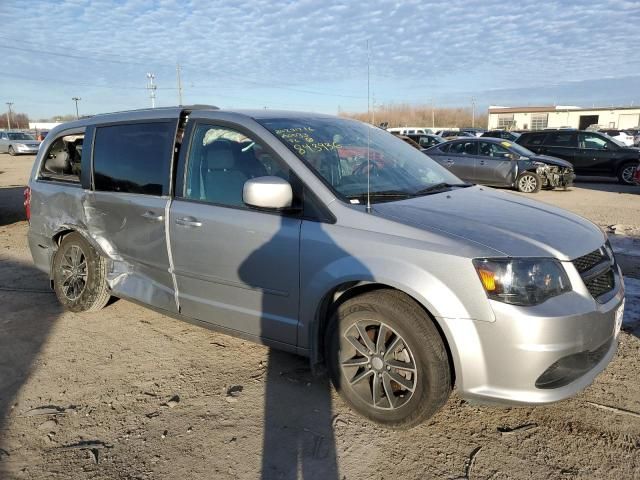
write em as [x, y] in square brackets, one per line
[332, 239]
[15, 143]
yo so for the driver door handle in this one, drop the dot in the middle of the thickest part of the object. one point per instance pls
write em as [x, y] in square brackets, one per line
[188, 222]
[482, 162]
[149, 215]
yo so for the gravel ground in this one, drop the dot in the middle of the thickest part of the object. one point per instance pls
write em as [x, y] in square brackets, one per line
[130, 394]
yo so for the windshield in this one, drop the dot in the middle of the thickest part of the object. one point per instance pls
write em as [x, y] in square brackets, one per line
[19, 136]
[615, 140]
[336, 149]
[520, 150]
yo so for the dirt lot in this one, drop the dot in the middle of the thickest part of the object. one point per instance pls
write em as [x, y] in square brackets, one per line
[127, 393]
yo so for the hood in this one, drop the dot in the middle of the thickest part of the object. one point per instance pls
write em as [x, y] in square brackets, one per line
[507, 223]
[551, 160]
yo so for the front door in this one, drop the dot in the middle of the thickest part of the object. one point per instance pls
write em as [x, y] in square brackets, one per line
[461, 159]
[595, 153]
[125, 210]
[235, 267]
[494, 165]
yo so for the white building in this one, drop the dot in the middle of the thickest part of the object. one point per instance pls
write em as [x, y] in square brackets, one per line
[538, 118]
[43, 125]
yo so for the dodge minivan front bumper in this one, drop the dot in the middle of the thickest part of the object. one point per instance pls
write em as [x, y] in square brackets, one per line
[540, 354]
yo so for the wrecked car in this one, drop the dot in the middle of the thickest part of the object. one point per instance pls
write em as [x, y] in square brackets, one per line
[333, 239]
[501, 163]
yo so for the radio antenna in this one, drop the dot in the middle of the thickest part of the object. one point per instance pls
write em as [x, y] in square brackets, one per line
[368, 129]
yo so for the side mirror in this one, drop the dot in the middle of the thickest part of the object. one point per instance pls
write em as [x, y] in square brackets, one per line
[273, 193]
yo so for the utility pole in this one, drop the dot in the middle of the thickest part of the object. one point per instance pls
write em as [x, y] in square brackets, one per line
[179, 84]
[373, 108]
[152, 89]
[473, 112]
[76, 99]
[433, 114]
[9, 115]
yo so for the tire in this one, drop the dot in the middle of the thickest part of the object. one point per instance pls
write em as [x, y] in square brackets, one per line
[422, 390]
[528, 182]
[11, 151]
[87, 289]
[626, 172]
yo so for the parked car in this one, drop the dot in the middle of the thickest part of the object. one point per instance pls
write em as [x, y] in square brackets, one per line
[409, 130]
[427, 141]
[504, 134]
[496, 162]
[451, 134]
[620, 135]
[636, 176]
[474, 131]
[591, 153]
[15, 142]
[40, 135]
[333, 239]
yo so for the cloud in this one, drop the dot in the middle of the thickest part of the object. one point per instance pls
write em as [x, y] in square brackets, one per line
[263, 50]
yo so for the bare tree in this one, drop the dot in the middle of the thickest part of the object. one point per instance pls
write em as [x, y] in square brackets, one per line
[401, 115]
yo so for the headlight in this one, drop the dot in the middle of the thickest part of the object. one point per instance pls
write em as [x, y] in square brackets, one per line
[21, 145]
[522, 281]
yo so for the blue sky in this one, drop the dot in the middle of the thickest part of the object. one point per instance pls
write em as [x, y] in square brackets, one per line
[311, 54]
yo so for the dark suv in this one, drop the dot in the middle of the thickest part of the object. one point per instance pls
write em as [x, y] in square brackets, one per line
[591, 153]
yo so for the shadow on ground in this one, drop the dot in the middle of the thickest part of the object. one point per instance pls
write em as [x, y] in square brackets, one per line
[11, 205]
[23, 290]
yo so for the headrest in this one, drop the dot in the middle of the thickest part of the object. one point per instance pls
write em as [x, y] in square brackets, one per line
[219, 156]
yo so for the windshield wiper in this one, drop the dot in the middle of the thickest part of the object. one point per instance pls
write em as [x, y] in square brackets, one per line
[439, 187]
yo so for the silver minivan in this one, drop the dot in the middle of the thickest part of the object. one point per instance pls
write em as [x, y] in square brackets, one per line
[333, 239]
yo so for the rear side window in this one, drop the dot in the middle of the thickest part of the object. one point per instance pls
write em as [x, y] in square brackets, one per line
[133, 158]
[63, 159]
[562, 140]
[535, 139]
[464, 148]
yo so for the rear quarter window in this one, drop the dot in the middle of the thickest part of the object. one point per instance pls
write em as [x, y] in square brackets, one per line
[63, 159]
[133, 158]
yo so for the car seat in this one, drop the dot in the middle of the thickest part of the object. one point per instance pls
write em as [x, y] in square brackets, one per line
[222, 181]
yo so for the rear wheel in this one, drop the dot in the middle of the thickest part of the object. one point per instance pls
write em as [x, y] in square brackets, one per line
[528, 182]
[626, 172]
[80, 275]
[387, 360]
[12, 152]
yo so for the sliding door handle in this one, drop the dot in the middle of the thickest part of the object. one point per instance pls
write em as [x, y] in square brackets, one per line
[188, 222]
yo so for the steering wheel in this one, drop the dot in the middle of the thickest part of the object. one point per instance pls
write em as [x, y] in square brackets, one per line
[361, 169]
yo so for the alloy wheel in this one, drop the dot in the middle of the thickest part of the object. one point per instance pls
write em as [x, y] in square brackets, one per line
[74, 272]
[527, 183]
[378, 365]
[627, 174]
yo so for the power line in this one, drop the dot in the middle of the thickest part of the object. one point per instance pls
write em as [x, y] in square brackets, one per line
[240, 78]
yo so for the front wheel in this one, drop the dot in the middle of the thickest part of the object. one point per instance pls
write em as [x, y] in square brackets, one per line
[11, 151]
[80, 275]
[626, 172]
[528, 182]
[387, 360]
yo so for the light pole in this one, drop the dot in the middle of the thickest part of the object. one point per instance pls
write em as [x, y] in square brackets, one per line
[473, 112]
[152, 89]
[9, 115]
[76, 99]
[433, 114]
